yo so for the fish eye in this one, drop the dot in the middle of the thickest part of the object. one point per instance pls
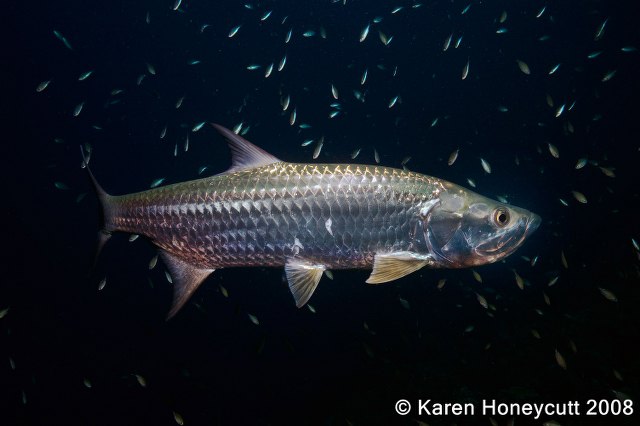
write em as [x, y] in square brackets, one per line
[501, 217]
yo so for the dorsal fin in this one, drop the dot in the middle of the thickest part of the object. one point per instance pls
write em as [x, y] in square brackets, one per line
[186, 279]
[244, 154]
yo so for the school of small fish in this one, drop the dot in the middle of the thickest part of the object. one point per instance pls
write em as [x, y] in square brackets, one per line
[367, 90]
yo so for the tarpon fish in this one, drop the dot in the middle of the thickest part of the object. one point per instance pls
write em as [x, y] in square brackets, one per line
[312, 217]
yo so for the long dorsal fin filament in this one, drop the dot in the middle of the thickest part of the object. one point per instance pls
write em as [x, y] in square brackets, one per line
[244, 154]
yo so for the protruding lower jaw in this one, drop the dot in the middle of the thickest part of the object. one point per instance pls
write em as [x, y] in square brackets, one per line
[533, 223]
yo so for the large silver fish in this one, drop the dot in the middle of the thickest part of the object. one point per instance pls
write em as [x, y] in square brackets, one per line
[313, 217]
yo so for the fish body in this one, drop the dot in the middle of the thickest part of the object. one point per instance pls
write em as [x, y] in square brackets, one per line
[313, 217]
[264, 215]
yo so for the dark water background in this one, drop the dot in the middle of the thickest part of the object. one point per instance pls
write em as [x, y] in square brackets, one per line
[211, 364]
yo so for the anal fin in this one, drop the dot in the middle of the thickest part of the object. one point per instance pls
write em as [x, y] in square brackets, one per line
[186, 279]
[303, 277]
[391, 266]
[103, 237]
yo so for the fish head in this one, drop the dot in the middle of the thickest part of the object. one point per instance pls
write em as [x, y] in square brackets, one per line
[463, 229]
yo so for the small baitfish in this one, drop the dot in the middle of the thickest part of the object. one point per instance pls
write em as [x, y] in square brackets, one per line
[314, 217]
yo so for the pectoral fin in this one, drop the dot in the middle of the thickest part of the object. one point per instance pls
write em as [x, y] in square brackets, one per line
[303, 277]
[186, 279]
[391, 266]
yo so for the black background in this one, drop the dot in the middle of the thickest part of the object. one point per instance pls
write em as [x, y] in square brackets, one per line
[210, 363]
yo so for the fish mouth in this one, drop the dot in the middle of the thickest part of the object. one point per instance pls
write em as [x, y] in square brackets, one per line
[533, 223]
[494, 246]
[505, 245]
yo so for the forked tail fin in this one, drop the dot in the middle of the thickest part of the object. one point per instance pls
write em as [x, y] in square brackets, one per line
[105, 207]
